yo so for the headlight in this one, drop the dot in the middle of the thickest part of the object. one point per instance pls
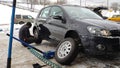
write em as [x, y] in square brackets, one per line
[97, 31]
[105, 33]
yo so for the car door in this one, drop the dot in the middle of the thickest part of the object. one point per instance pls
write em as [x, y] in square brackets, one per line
[42, 18]
[58, 26]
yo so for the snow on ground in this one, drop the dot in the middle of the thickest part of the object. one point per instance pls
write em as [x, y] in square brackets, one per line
[38, 7]
[4, 29]
[5, 18]
[5, 14]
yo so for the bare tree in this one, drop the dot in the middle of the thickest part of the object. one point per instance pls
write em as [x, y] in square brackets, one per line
[44, 2]
[23, 1]
[119, 8]
[61, 1]
[31, 3]
[36, 1]
[115, 6]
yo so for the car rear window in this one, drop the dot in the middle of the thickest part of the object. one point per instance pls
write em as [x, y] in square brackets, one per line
[18, 16]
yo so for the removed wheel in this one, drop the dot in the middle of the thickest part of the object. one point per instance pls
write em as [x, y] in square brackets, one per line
[37, 36]
[66, 51]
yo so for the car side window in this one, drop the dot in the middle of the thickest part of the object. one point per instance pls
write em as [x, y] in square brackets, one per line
[56, 11]
[30, 17]
[18, 16]
[25, 17]
[45, 13]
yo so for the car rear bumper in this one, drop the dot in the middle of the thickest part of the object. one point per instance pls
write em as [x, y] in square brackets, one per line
[101, 45]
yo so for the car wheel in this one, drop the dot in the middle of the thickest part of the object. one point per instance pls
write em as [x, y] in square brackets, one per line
[21, 22]
[66, 51]
[37, 36]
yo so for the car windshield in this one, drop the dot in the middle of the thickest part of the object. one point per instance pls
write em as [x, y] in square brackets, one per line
[82, 13]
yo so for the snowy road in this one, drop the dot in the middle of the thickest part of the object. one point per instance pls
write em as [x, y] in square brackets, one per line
[22, 58]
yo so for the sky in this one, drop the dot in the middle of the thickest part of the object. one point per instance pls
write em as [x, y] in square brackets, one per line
[93, 2]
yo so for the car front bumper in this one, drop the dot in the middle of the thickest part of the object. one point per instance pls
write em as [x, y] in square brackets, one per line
[101, 45]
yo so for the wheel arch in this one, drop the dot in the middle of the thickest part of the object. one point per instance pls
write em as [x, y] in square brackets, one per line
[43, 31]
[34, 28]
[73, 34]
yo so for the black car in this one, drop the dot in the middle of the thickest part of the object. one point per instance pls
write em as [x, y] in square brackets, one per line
[77, 29]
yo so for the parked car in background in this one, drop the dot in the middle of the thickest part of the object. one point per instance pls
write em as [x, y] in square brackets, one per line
[21, 19]
[1, 29]
[77, 29]
[115, 18]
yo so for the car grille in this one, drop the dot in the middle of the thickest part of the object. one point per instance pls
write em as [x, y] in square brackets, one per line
[115, 32]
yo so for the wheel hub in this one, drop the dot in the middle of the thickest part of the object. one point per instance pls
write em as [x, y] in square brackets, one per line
[36, 34]
[64, 49]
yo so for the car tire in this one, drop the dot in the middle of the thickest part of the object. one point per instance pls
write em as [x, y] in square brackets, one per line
[66, 51]
[21, 22]
[37, 36]
[38, 41]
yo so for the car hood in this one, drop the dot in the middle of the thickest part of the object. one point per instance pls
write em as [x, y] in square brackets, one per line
[101, 23]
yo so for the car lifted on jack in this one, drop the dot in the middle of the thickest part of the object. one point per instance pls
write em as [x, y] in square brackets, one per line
[77, 29]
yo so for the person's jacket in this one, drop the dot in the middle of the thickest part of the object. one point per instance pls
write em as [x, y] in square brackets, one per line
[24, 32]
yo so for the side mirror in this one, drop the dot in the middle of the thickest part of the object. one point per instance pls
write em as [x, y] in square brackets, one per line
[59, 18]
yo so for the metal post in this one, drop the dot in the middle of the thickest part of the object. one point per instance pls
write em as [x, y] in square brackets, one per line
[31, 3]
[80, 2]
[85, 3]
[108, 3]
[44, 3]
[57, 1]
[11, 35]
